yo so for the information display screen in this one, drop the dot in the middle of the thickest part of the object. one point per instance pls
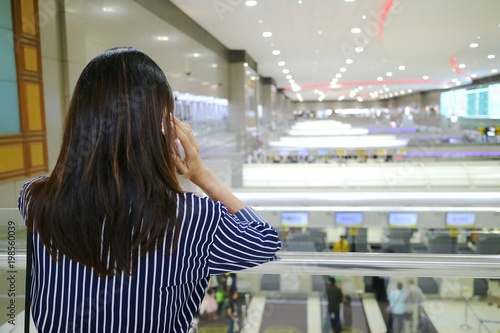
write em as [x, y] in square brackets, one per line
[294, 219]
[349, 219]
[461, 220]
[403, 220]
[480, 102]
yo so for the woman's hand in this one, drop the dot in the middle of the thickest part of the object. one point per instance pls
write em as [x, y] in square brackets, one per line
[191, 167]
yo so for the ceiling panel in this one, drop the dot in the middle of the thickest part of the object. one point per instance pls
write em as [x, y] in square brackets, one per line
[315, 40]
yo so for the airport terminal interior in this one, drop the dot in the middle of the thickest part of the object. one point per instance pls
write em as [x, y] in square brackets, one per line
[366, 132]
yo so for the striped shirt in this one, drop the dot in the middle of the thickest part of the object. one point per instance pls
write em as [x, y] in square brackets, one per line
[165, 292]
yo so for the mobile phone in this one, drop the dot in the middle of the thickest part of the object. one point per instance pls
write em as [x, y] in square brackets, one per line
[180, 149]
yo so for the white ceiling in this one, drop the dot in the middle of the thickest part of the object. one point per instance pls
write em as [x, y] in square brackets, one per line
[315, 40]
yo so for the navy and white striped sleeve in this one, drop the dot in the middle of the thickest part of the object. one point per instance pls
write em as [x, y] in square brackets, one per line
[242, 240]
[22, 200]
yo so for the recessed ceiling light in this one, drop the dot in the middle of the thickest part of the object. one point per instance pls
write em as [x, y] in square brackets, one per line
[253, 78]
[260, 21]
[409, 90]
[288, 77]
[363, 17]
[358, 49]
[291, 81]
[215, 65]
[276, 52]
[286, 71]
[107, 9]
[251, 3]
[267, 34]
[349, 61]
[320, 32]
[386, 89]
[474, 45]
[359, 99]
[349, 0]
[355, 30]
[401, 68]
[342, 69]
[388, 74]
[281, 63]
[338, 75]
[300, 2]
[162, 38]
[402, 92]
[491, 56]
[196, 55]
[461, 66]
[494, 70]
[245, 64]
[380, 78]
[247, 72]
[473, 76]
[335, 80]
[425, 77]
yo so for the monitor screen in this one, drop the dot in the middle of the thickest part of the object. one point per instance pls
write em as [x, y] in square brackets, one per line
[322, 151]
[463, 220]
[403, 220]
[294, 219]
[349, 219]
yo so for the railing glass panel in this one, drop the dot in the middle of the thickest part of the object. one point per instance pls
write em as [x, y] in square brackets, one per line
[291, 294]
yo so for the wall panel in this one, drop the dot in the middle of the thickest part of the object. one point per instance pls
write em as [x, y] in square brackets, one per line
[23, 148]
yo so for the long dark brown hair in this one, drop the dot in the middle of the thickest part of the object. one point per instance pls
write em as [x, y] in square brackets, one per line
[112, 193]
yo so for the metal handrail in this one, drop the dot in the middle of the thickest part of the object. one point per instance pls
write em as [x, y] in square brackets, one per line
[383, 264]
[366, 264]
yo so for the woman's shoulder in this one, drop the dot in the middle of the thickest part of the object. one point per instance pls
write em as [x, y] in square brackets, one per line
[22, 199]
[196, 199]
[27, 184]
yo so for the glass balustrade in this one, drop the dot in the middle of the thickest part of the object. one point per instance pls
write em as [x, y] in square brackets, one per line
[292, 294]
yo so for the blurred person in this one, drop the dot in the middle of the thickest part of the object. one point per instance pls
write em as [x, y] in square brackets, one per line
[414, 299]
[220, 298]
[335, 298]
[211, 305]
[231, 283]
[397, 308]
[118, 246]
[232, 311]
[342, 245]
